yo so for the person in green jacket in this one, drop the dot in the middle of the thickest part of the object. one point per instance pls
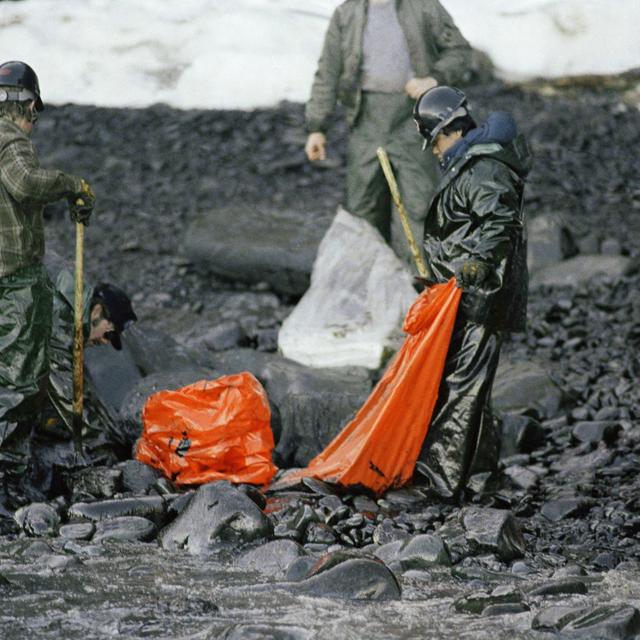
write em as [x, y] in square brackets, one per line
[378, 57]
[26, 293]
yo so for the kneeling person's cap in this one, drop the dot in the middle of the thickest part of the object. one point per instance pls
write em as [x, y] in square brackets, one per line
[117, 308]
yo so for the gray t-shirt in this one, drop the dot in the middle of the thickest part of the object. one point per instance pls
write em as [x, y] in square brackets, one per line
[386, 66]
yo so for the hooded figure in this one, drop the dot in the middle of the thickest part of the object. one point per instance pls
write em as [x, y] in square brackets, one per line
[475, 231]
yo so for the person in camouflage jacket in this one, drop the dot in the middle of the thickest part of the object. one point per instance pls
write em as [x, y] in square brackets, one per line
[378, 57]
[26, 294]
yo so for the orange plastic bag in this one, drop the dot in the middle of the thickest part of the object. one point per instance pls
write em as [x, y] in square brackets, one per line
[210, 430]
[378, 449]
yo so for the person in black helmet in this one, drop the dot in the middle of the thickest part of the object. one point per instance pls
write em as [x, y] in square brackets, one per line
[107, 314]
[26, 293]
[474, 231]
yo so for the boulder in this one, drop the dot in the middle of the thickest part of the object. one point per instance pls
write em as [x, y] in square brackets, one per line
[273, 558]
[556, 510]
[137, 477]
[521, 385]
[493, 530]
[607, 622]
[582, 270]
[352, 579]
[125, 529]
[38, 519]
[353, 311]
[566, 586]
[113, 373]
[519, 433]
[479, 602]
[217, 516]
[94, 483]
[257, 243]
[151, 507]
[419, 552]
[549, 241]
[309, 406]
[263, 631]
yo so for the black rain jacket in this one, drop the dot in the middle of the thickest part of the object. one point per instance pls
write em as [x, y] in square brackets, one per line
[477, 213]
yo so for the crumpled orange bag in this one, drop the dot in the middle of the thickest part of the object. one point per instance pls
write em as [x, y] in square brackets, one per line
[378, 449]
[210, 430]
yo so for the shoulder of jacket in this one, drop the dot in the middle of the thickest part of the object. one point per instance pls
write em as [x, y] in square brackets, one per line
[9, 133]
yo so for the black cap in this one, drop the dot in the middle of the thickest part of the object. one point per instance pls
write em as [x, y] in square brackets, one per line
[117, 308]
[24, 80]
[438, 107]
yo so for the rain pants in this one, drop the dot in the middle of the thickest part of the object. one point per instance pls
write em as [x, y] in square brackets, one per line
[26, 298]
[477, 213]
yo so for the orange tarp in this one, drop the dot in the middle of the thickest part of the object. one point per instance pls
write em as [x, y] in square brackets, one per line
[210, 430]
[378, 449]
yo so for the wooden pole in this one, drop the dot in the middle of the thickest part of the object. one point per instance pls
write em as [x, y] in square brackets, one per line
[78, 341]
[395, 194]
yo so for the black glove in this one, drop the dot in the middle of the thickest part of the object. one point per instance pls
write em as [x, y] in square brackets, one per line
[473, 273]
[420, 283]
[81, 204]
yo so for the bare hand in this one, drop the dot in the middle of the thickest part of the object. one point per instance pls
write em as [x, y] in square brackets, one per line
[315, 147]
[417, 86]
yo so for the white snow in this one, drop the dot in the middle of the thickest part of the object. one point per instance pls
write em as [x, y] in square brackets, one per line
[250, 53]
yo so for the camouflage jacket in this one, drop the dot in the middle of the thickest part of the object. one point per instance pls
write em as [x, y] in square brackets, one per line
[436, 48]
[24, 190]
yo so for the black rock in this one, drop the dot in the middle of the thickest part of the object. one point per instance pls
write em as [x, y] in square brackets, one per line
[272, 559]
[38, 519]
[557, 510]
[558, 587]
[125, 529]
[493, 530]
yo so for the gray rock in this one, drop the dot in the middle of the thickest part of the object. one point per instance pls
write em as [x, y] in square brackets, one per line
[77, 531]
[138, 477]
[606, 622]
[59, 563]
[549, 241]
[559, 587]
[273, 558]
[218, 515]
[94, 483]
[353, 579]
[519, 434]
[508, 609]
[478, 602]
[521, 385]
[596, 431]
[113, 373]
[570, 571]
[152, 507]
[556, 510]
[582, 270]
[611, 247]
[257, 245]
[493, 530]
[300, 569]
[522, 477]
[125, 529]
[265, 631]
[422, 552]
[38, 519]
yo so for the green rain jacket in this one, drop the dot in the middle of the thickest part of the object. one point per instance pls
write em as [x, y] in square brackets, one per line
[436, 49]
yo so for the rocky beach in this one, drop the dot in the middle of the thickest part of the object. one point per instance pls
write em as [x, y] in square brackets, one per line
[211, 221]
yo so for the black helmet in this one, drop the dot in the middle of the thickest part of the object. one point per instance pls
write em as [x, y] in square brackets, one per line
[117, 308]
[21, 76]
[438, 107]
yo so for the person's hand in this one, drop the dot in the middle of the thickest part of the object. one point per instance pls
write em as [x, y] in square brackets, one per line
[417, 86]
[474, 272]
[420, 284]
[315, 147]
[81, 204]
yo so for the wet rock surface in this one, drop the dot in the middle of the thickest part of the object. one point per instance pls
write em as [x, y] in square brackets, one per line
[567, 396]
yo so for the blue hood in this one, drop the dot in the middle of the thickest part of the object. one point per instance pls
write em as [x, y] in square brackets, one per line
[500, 128]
